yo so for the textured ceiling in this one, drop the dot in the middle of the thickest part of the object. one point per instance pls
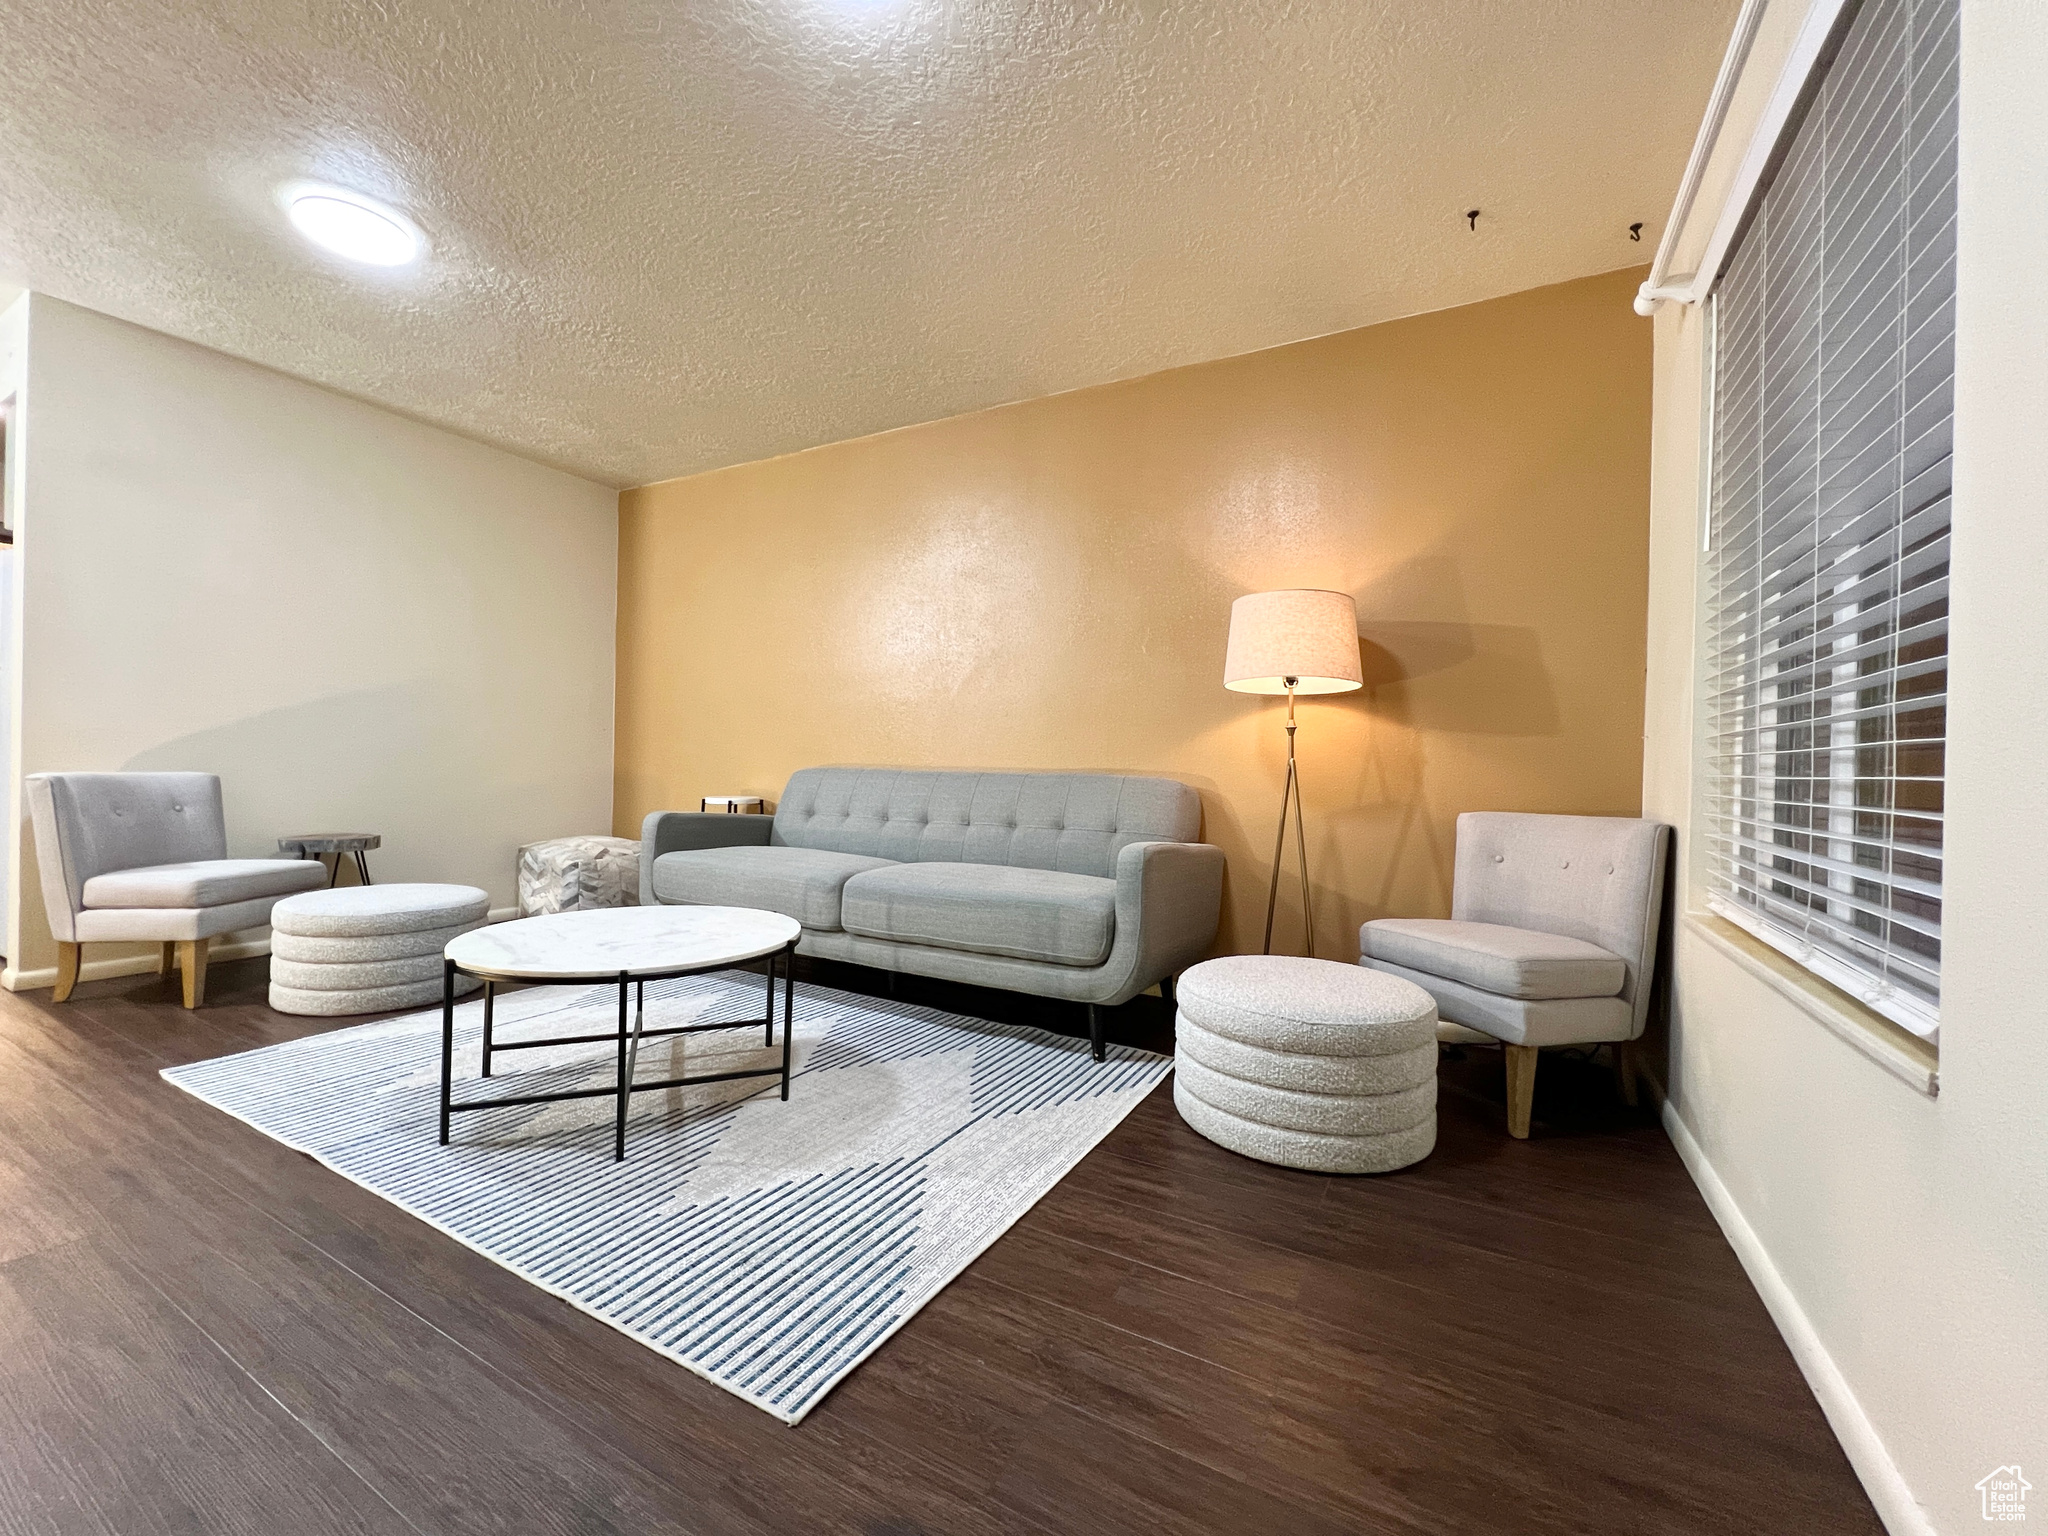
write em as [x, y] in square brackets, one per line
[672, 236]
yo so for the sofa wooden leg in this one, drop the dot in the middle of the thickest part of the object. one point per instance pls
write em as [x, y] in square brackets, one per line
[1625, 1070]
[1095, 1046]
[1521, 1062]
[167, 958]
[192, 961]
[67, 970]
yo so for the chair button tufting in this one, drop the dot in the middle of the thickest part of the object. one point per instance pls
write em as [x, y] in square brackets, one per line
[1564, 863]
[176, 807]
[1497, 858]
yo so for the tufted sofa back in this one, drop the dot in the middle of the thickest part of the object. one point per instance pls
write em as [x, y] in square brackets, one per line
[1076, 823]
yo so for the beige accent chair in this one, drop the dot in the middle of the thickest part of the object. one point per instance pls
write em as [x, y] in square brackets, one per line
[143, 856]
[1552, 940]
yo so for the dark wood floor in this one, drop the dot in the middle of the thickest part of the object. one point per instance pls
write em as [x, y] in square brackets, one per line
[203, 1332]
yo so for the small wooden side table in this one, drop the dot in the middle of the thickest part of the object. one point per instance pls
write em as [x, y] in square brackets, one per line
[311, 845]
[730, 803]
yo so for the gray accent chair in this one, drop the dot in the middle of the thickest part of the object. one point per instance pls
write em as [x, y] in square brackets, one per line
[143, 856]
[1552, 940]
[1082, 886]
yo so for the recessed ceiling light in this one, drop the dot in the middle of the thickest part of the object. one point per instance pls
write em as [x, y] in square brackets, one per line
[352, 226]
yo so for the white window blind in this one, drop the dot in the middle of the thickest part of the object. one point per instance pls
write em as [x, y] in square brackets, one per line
[1826, 626]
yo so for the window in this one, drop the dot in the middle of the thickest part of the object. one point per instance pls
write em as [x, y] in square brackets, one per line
[1826, 625]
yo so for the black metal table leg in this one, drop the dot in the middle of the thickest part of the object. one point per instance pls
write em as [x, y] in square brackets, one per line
[633, 1055]
[627, 1036]
[788, 1010]
[334, 874]
[625, 1087]
[362, 866]
[447, 1042]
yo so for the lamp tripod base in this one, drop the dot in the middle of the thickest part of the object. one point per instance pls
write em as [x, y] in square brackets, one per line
[1290, 793]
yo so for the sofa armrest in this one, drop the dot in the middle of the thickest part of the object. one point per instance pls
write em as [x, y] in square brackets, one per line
[1169, 899]
[680, 831]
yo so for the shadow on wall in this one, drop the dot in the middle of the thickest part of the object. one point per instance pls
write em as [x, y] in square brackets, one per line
[1383, 839]
[1450, 674]
[373, 760]
[1481, 679]
[357, 762]
[1385, 806]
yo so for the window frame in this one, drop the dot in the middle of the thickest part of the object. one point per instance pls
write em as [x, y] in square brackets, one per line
[1866, 989]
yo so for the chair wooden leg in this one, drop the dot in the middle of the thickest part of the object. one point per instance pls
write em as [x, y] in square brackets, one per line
[1521, 1063]
[192, 961]
[167, 959]
[1625, 1070]
[67, 970]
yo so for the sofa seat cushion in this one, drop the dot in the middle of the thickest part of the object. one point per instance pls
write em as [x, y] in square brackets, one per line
[1509, 962]
[989, 909]
[803, 883]
[201, 883]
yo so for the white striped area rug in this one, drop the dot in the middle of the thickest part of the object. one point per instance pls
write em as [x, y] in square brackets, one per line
[769, 1247]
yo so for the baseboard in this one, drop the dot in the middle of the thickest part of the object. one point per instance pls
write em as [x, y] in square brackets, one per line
[123, 965]
[142, 965]
[1901, 1513]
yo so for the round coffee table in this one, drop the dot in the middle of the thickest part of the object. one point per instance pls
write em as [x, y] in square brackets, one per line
[629, 945]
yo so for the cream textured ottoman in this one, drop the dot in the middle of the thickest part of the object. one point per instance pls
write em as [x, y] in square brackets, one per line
[575, 874]
[1307, 1063]
[364, 948]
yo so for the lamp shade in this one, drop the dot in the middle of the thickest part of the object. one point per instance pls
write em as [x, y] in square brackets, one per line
[1307, 635]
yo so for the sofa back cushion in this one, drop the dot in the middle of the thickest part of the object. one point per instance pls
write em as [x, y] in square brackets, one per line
[1073, 822]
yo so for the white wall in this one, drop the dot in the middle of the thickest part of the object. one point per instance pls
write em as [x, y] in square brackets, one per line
[13, 372]
[357, 621]
[1901, 1238]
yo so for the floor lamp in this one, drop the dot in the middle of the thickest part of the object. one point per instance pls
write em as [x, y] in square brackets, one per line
[1293, 642]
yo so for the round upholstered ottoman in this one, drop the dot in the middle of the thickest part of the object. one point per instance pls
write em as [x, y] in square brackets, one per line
[364, 948]
[1307, 1063]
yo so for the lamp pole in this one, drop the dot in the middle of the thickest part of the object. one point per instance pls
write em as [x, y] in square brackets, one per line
[1291, 790]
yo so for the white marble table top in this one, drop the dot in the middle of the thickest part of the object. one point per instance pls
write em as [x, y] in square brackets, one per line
[635, 940]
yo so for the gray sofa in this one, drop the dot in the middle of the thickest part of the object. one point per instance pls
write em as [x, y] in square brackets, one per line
[1088, 887]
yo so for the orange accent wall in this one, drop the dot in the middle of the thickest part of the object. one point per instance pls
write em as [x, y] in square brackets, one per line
[1048, 585]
